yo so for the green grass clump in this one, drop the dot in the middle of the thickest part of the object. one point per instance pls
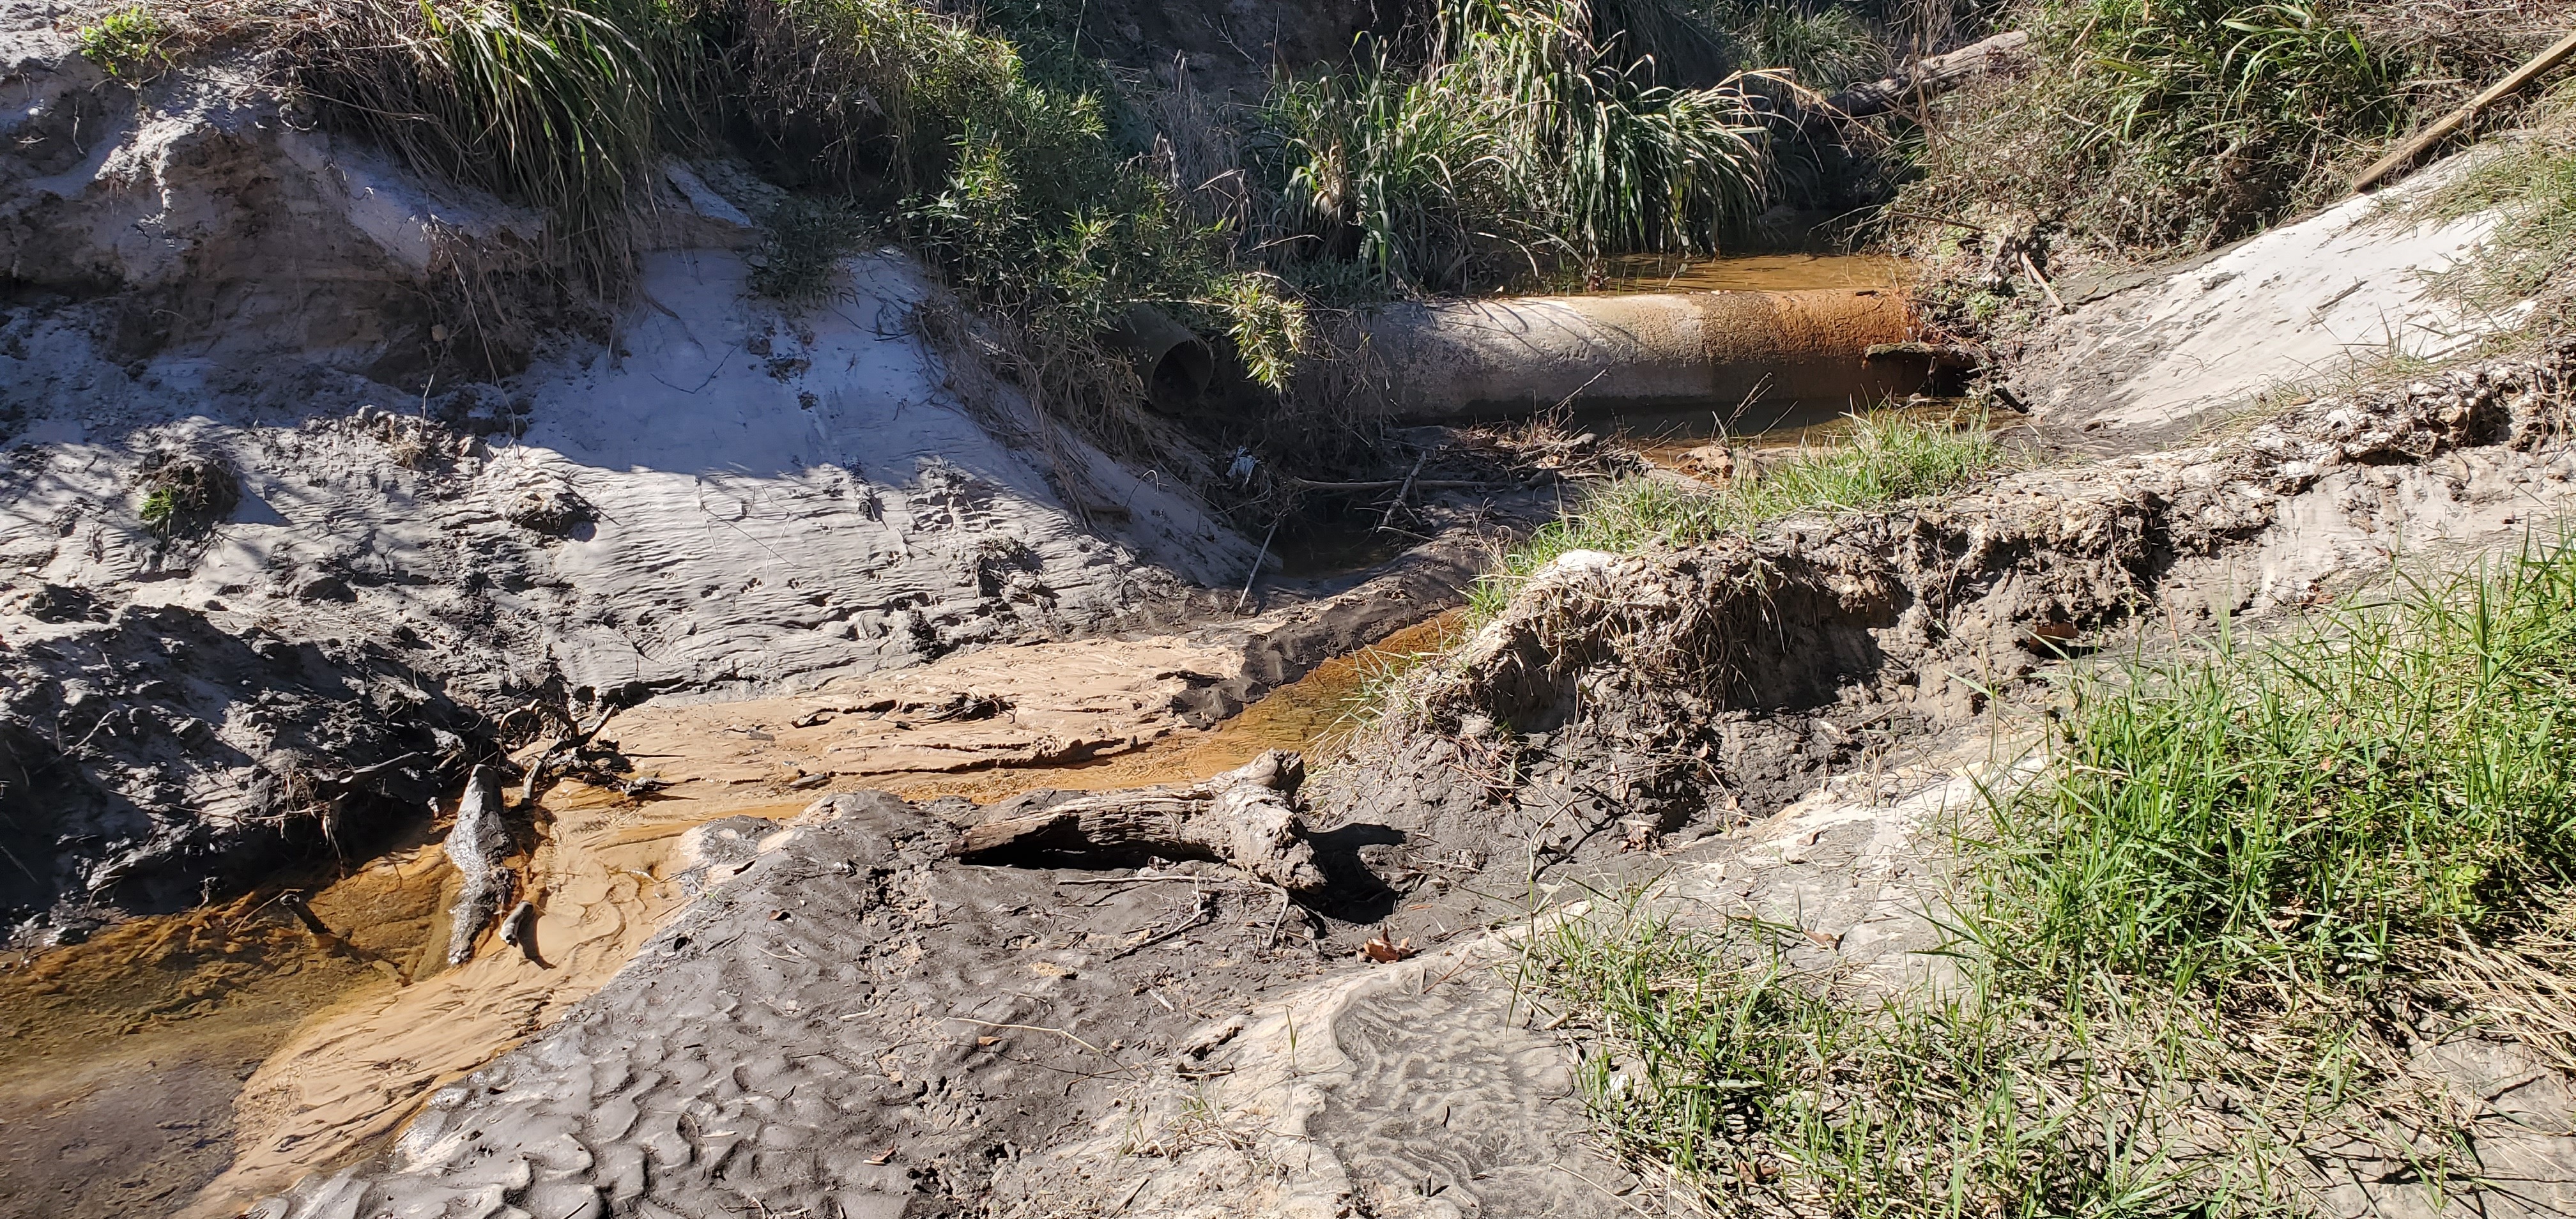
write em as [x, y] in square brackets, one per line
[1822, 46]
[160, 509]
[1887, 457]
[1521, 140]
[1775, 1089]
[802, 245]
[2329, 806]
[553, 104]
[2159, 125]
[126, 44]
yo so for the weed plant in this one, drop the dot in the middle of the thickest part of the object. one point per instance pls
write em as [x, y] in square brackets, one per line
[125, 44]
[1886, 457]
[2194, 956]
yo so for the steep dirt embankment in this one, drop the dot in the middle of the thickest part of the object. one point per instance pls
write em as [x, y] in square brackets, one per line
[717, 496]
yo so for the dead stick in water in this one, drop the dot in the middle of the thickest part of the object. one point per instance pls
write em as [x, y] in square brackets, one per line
[2456, 119]
[295, 905]
[1257, 560]
[1397, 504]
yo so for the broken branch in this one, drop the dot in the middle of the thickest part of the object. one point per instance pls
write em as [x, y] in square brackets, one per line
[1246, 818]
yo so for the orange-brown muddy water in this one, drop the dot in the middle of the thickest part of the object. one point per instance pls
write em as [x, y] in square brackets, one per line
[1752, 273]
[263, 1052]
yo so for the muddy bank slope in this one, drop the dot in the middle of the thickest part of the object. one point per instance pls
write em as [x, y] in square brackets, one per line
[1169, 1060]
[276, 559]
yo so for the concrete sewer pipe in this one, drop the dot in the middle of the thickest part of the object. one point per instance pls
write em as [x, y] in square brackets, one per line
[1755, 353]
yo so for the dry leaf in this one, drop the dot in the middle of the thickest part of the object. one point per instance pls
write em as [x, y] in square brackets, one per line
[1381, 951]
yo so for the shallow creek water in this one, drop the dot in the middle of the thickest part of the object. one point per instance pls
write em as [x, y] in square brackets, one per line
[1752, 273]
[254, 1050]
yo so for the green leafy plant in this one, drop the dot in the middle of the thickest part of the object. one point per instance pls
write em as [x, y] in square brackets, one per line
[126, 44]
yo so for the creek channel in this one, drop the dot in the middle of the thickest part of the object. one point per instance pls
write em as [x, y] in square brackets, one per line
[188, 1063]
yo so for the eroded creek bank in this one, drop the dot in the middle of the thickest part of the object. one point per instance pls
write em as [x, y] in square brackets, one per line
[271, 1051]
[742, 976]
[849, 1019]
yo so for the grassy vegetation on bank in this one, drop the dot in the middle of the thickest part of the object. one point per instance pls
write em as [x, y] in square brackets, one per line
[1525, 137]
[2134, 131]
[2531, 255]
[886, 118]
[2194, 951]
[1887, 457]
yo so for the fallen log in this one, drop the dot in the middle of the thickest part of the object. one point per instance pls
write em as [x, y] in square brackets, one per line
[477, 846]
[2424, 140]
[1246, 818]
[1929, 76]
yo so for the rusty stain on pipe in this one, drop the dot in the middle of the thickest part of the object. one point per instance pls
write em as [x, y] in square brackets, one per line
[1644, 351]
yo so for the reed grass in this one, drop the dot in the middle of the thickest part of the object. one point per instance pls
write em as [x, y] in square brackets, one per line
[1518, 141]
[555, 105]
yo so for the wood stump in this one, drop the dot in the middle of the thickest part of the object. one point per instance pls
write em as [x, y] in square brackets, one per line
[1246, 818]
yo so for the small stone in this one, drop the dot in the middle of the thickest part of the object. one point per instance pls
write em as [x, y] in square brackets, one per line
[323, 588]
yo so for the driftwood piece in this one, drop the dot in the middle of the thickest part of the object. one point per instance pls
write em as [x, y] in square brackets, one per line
[1246, 818]
[519, 930]
[2513, 83]
[1929, 76]
[476, 846]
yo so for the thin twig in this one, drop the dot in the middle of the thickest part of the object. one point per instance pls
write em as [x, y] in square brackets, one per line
[1040, 1028]
[1397, 504]
[1257, 560]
